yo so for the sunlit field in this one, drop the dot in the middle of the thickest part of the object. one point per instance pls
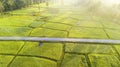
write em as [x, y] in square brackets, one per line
[86, 19]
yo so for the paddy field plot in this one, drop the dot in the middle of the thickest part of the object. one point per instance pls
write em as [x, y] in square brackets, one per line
[58, 23]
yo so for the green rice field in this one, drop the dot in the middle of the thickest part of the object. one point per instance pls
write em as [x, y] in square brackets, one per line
[58, 22]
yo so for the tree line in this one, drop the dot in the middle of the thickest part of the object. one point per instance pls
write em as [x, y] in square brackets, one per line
[8, 5]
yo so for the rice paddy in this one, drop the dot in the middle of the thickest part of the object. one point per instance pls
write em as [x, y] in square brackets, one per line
[59, 23]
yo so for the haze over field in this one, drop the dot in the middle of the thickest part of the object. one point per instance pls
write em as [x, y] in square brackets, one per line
[84, 19]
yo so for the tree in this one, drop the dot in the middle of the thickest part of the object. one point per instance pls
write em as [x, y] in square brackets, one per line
[11, 4]
[7, 5]
[1, 7]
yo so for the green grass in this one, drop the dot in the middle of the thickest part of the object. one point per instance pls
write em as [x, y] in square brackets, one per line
[117, 48]
[57, 26]
[111, 24]
[104, 60]
[11, 47]
[43, 32]
[82, 32]
[56, 19]
[32, 62]
[57, 22]
[14, 31]
[37, 24]
[16, 20]
[113, 33]
[4, 60]
[89, 48]
[89, 24]
[50, 50]
[70, 21]
[72, 60]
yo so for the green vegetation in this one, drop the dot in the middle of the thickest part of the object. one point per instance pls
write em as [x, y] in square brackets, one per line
[35, 19]
[10, 47]
[49, 50]
[32, 62]
[72, 60]
[89, 24]
[14, 31]
[100, 60]
[17, 21]
[4, 60]
[42, 32]
[89, 48]
[57, 26]
[8, 5]
[82, 32]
